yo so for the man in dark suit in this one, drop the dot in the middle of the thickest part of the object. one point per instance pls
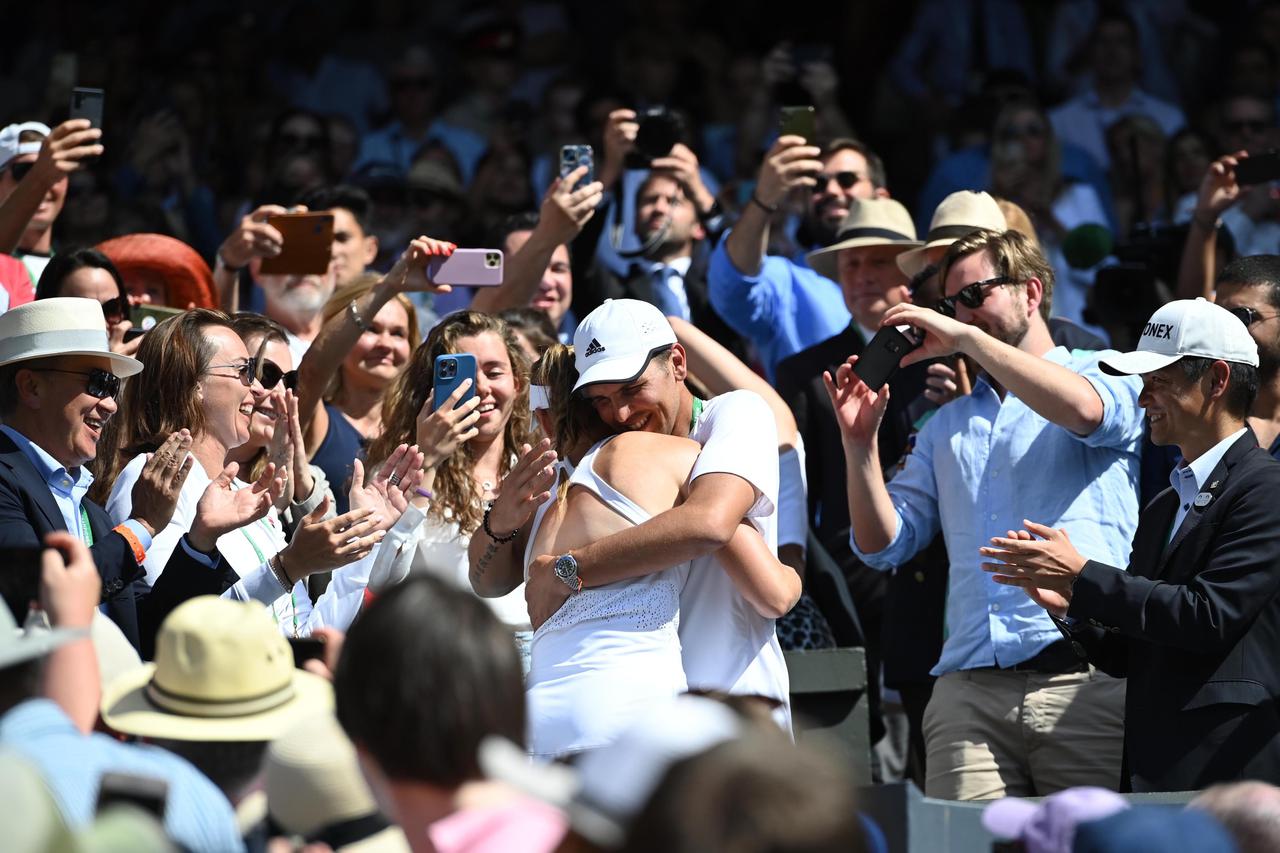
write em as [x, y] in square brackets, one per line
[58, 381]
[1192, 622]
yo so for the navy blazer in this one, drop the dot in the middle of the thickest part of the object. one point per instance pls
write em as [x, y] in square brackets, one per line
[1194, 625]
[28, 512]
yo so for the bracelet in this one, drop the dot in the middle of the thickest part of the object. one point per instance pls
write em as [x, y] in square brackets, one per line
[135, 544]
[495, 537]
[767, 208]
[276, 564]
[425, 493]
[222, 262]
[356, 318]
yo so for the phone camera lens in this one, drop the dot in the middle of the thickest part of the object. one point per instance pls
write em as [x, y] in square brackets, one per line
[448, 369]
[491, 260]
[894, 347]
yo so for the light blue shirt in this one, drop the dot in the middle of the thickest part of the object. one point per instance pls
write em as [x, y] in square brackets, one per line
[68, 487]
[1188, 479]
[197, 815]
[782, 309]
[979, 467]
[1084, 120]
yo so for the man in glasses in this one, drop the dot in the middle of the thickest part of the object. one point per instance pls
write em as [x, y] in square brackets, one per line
[34, 164]
[1044, 434]
[59, 383]
[778, 303]
[1249, 288]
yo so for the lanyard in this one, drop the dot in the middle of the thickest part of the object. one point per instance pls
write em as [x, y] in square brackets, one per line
[86, 531]
[293, 602]
[697, 411]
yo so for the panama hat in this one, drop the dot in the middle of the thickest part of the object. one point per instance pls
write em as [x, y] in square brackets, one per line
[64, 325]
[871, 222]
[959, 215]
[222, 672]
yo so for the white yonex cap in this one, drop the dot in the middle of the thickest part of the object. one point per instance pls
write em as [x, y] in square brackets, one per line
[615, 341]
[10, 147]
[1194, 327]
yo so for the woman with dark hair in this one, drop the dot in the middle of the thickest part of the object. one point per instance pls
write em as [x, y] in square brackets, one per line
[89, 273]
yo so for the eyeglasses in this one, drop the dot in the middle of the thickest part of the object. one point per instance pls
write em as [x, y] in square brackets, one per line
[1249, 316]
[117, 307]
[971, 295]
[846, 181]
[270, 375]
[101, 384]
[246, 372]
[19, 170]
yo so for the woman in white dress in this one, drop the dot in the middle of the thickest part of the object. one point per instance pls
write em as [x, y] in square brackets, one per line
[612, 652]
[203, 379]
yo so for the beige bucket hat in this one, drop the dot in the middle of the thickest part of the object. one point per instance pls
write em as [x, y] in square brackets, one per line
[959, 215]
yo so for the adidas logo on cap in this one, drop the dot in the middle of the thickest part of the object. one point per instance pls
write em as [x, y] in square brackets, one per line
[593, 348]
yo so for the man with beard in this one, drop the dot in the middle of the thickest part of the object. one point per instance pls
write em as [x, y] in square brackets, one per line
[1250, 289]
[297, 302]
[1045, 434]
[780, 304]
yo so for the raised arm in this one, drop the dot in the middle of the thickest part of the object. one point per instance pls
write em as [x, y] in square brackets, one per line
[69, 589]
[62, 152]
[253, 238]
[1218, 192]
[790, 163]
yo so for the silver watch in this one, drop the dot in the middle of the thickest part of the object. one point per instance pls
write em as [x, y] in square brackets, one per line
[566, 569]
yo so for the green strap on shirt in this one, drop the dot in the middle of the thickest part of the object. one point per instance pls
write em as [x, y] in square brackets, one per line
[86, 531]
[697, 411]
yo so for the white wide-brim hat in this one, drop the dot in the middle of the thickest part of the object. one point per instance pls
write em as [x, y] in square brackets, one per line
[63, 325]
[957, 216]
[870, 222]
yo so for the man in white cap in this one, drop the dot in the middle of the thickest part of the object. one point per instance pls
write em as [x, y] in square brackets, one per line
[1044, 432]
[1192, 621]
[34, 164]
[632, 370]
[58, 386]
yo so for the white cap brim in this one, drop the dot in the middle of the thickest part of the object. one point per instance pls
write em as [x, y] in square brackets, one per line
[623, 368]
[1136, 362]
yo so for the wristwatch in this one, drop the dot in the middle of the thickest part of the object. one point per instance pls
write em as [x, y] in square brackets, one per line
[566, 569]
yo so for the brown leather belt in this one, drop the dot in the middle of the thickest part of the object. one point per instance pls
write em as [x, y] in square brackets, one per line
[1056, 658]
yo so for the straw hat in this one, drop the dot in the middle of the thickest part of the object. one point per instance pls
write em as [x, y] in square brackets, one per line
[871, 222]
[64, 325]
[222, 672]
[959, 215]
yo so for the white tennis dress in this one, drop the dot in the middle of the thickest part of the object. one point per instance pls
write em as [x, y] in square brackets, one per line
[610, 653]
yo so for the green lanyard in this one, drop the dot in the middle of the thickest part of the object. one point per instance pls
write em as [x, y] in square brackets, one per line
[293, 602]
[697, 411]
[86, 532]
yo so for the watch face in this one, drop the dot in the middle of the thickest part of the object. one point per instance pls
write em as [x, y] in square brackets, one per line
[566, 567]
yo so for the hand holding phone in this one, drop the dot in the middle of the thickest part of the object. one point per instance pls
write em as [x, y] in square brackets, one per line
[472, 267]
[1259, 168]
[305, 649]
[883, 353]
[87, 103]
[574, 156]
[450, 370]
[798, 121]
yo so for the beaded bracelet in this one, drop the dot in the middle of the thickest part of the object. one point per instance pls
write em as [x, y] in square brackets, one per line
[495, 537]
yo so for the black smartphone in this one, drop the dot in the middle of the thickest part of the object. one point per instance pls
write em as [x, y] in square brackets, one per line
[659, 131]
[87, 103]
[1259, 168]
[146, 792]
[305, 649]
[880, 357]
[798, 121]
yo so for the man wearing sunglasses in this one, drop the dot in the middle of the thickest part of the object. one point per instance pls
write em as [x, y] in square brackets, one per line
[59, 383]
[1045, 434]
[34, 164]
[1249, 288]
[778, 303]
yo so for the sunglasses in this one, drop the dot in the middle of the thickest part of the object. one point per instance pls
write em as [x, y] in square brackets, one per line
[101, 384]
[19, 170]
[118, 307]
[246, 372]
[270, 375]
[971, 295]
[1249, 316]
[845, 180]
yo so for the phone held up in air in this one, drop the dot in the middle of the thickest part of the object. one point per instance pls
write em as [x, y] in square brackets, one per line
[1259, 168]
[306, 247]
[882, 354]
[450, 370]
[472, 267]
[87, 103]
[798, 121]
[573, 156]
[145, 317]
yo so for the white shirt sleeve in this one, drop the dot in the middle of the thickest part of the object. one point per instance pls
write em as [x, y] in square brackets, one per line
[738, 436]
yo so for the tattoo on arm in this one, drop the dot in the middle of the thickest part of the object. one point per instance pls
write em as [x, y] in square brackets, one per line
[486, 558]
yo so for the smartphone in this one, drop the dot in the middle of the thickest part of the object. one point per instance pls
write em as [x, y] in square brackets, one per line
[573, 156]
[87, 103]
[307, 247]
[145, 318]
[798, 121]
[1259, 168]
[146, 792]
[472, 267]
[451, 369]
[305, 649]
[879, 359]
[659, 131]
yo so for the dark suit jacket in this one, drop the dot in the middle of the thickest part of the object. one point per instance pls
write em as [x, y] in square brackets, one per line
[1195, 626]
[28, 512]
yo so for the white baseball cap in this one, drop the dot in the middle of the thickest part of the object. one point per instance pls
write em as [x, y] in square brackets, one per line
[11, 147]
[615, 342]
[1184, 327]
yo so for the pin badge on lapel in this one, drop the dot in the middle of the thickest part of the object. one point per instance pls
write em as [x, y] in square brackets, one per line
[1202, 500]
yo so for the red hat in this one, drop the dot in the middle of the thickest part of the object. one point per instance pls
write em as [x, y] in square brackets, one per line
[188, 279]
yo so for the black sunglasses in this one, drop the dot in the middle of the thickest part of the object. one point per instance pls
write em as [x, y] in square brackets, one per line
[270, 375]
[19, 170]
[971, 295]
[101, 384]
[118, 307]
[845, 180]
[1249, 316]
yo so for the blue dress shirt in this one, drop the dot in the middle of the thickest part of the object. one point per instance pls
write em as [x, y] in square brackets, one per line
[197, 815]
[979, 467]
[782, 309]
